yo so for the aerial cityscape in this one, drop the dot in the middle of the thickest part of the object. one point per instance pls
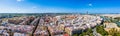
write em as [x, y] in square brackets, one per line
[59, 18]
[59, 24]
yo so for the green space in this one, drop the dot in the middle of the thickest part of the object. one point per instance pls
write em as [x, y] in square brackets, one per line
[100, 29]
[88, 32]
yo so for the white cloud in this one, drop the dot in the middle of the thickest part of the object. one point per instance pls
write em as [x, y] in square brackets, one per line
[89, 4]
[34, 7]
[19, 0]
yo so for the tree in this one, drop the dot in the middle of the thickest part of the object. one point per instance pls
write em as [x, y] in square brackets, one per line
[75, 34]
[100, 29]
[87, 32]
[114, 32]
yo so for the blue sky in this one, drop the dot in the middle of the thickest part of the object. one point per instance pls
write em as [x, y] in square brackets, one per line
[59, 6]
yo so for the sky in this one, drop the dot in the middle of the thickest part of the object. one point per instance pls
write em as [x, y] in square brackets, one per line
[59, 6]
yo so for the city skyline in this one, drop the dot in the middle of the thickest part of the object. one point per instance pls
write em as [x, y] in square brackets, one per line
[59, 6]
